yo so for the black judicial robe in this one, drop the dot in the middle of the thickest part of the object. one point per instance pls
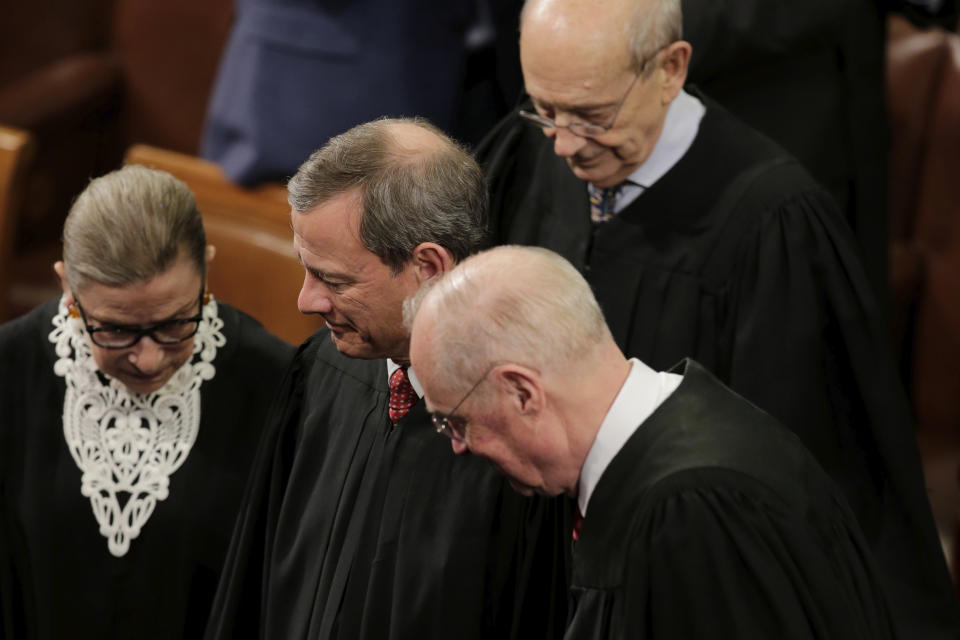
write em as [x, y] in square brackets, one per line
[714, 521]
[737, 258]
[354, 528]
[57, 578]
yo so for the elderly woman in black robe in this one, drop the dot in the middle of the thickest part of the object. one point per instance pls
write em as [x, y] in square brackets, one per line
[130, 409]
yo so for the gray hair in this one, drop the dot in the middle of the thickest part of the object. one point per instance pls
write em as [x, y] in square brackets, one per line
[434, 193]
[652, 28]
[129, 226]
[510, 304]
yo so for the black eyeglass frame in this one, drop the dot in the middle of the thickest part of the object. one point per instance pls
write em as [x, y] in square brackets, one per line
[589, 129]
[140, 332]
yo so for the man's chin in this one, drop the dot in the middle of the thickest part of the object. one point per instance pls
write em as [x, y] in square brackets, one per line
[521, 488]
[590, 173]
[349, 344]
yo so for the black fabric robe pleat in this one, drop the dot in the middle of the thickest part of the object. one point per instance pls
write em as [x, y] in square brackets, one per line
[713, 521]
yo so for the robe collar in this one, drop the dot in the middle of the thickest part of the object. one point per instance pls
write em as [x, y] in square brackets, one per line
[642, 392]
[680, 129]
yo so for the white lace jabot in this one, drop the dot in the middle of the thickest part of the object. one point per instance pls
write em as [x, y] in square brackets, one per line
[127, 444]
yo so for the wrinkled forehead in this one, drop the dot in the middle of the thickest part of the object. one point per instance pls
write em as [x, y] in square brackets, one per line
[574, 45]
[573, 74]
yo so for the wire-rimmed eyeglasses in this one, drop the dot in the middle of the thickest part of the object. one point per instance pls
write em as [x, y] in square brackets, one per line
[589, 129]
[452, 425]
[122, 336]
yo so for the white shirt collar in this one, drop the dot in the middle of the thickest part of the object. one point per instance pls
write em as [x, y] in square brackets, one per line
[411, 376]
[680, 129]
[642, 392]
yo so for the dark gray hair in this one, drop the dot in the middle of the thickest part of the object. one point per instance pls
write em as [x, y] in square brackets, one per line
[424, 193]
[130, 226]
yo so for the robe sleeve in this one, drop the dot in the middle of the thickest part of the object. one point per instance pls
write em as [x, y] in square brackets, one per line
[718, 562]
[809, 347]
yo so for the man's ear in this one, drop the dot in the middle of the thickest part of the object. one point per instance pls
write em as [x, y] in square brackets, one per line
[61, 272]
[522, 385]
[674, 66]
[431, 260]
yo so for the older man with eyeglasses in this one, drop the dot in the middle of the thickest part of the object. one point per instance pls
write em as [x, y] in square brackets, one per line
[704, 239]
[702, 516]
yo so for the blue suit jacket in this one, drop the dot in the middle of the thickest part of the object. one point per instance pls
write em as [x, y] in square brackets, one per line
[296, 72]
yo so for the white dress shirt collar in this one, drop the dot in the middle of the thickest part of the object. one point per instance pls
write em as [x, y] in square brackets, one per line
[642, 392]
[680, 129]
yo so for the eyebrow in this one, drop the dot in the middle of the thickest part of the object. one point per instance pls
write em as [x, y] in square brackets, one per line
[573, 108]
[326, 276]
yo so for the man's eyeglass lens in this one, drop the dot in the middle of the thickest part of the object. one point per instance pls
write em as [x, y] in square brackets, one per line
[447, 427]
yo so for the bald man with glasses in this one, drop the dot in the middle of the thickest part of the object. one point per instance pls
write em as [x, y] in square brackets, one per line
[702, 517]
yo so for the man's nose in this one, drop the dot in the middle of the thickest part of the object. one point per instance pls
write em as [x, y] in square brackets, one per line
[314, 297]
[567, 144]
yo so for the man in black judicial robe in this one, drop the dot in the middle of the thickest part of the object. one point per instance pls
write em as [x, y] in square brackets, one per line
[723, 249]
[702, 516]
[359, 522]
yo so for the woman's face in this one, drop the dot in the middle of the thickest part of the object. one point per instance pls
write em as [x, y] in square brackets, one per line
[145, 366]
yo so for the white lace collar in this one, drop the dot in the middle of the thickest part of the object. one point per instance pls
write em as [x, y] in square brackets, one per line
[127, 444]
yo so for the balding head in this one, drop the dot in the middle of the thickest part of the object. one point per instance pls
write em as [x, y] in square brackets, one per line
[613, 65]
[416, 185]
[517, 304]
[605, 34]
[515, 359]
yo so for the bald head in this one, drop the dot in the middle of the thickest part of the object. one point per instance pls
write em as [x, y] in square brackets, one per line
[517, 304]
[601, 34]
[416, 185]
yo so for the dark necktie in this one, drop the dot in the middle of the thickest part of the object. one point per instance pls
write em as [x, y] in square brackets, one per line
[602, 202]
[402, 395]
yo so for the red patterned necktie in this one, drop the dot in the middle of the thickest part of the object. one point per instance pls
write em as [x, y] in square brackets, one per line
[402, 395]
[577, 523]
